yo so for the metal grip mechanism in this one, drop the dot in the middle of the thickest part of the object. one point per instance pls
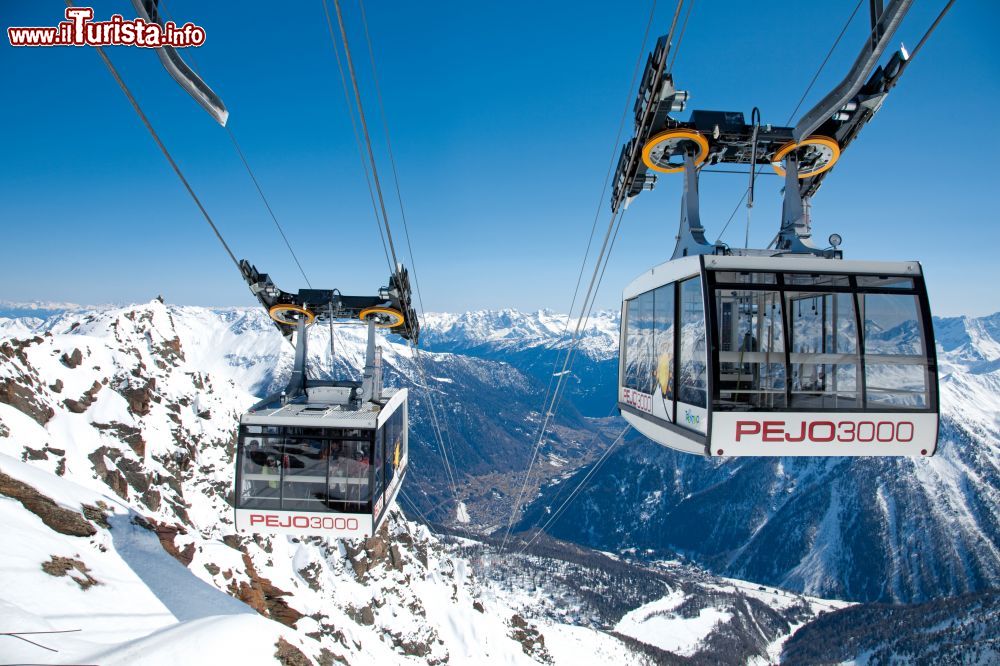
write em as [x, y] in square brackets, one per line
[391, 308]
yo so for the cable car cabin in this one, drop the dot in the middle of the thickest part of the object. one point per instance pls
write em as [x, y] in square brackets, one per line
[320, 466]
[325, 457]
[780, 356]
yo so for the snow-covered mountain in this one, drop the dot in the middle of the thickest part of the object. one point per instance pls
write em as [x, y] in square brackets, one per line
[865, 529]
[116, 434]
[116, 453]
[534, 343]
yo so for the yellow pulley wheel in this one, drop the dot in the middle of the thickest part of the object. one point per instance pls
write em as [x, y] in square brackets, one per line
[280, 313]
[384, 317]
[657, 152]
[821, 153]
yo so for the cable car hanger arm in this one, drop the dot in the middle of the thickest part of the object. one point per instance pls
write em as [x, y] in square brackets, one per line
[390, 308]
[179, 70]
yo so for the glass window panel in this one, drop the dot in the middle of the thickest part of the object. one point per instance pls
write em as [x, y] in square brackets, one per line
[895, 360]
[824, 350]
[898, 386]
[305, 464]
[885, 281]
[633, 337]
[817, 280]
[663, 340]
[751, 349]
[744, 277]
[647, 362]
[349, 480]
[693, 371]
[892, 324]
[261, 473]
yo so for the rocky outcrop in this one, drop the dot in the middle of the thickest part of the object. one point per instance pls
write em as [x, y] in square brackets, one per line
[62, 520]
[140, 395]
[289, 655]
[263, 596]
[532, 641]
[72, 360]
[372, 552]
[81, 405]
[126, 433]
[66, 566]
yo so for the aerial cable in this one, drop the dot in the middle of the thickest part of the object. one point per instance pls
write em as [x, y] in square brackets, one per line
[416, 509]
[755, 121]
[561, 375]
[576, 491]
[437, 428]
[239, 151]
[392, 158]
[166, 153]
[357, 137]
[597, 212]
[384, 219]
[829, 53]
[600, 280]
[442, 435]
[927, 34]
[802, 99]
[364, 125]
[260, 191]
[680, 38]
[593, 440]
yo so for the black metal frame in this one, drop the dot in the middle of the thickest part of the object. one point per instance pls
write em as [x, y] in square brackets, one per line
[369, 435]
[919, 290]
[327, 304]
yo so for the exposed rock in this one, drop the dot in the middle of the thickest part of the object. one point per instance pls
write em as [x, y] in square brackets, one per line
[98, 514]
[73, 359]
[4, 431]
[476, 605]
[21, 397]
[139, 396]
[57, 386]
[289, 655]
[262, 595]
[33, 454]
[81, 405]
[64, 521]
[65, 566]
[531, 640]
[113, 478]
[126, 433]
[167, 534]
[373, 551]
[364, 615]
[212, 568]
[310, 574]
[328, 658]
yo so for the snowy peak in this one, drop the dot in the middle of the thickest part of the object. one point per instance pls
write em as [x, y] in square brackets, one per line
[511, 329]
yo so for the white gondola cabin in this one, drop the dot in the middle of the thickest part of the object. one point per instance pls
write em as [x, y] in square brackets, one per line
[325, 457]
[776, 356]
[321, 466]
[786, 350]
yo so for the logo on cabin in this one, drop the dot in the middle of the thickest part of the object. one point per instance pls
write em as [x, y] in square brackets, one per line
[691, 418]
[641, 401]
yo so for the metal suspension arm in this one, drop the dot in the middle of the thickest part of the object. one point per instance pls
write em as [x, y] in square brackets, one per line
[883, 29]
[330, 304]
[148, 10]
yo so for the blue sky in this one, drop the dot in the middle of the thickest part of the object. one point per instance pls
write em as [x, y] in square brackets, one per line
[503, 116]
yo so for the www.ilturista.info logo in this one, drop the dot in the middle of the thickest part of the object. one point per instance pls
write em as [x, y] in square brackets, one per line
[79, 29]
